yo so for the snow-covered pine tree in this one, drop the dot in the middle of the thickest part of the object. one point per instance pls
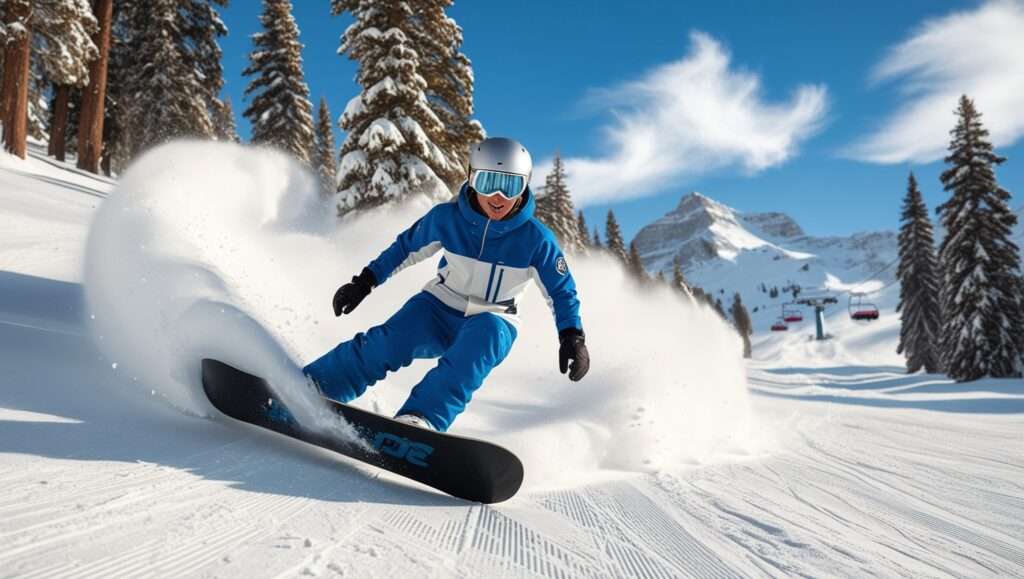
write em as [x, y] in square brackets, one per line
[390, 152]
[224, 122]
[678, 281]
[280, 112]
[66, 49]
[437, 40]
[741, 320]
[175, 71]
[63, 47]
[582, 231]
[596, 241]
[203, 27]
[613, 238]
[324, 163]
[918, 272]
[555, 208]
[164, 95]
[38, 84]
[635, 265]
[981, 304]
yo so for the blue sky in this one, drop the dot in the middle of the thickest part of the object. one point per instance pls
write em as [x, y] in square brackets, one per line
[765, 106]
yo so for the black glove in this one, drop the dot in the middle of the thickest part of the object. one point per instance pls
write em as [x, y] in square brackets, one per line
[349, 295]
[573, 348]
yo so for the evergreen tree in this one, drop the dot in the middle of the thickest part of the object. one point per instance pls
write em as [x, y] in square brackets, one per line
[280, 112]
[582, 231]
[702, 297]
[224, 122]
[163, 100]
[449, 74]
[982, 315]
[741, 320]
[325, 145]
[635, 265]
[38, 84]
[174, 74]
[719, 308]
[678, 281]
[62, 48]
[919, 286]
[596, 243]
[613, 237]
[390, 152]
[555, 209]
[202, 27]
[62, 32]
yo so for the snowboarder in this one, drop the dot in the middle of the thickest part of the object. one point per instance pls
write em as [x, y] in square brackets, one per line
[467, 314]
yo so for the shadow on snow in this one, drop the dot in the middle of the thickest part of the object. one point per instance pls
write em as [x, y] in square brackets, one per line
[892, 387]
[91, 412]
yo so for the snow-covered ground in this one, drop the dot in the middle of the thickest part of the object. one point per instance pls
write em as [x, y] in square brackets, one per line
[672, 459]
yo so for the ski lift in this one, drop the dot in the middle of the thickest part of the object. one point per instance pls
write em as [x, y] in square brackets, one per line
[779, 326]
[861, 310]
[791, 314]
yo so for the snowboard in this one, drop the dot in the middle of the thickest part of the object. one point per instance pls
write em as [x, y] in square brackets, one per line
[474, 470]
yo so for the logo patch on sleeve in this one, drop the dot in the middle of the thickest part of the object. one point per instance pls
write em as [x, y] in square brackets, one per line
[560, 266]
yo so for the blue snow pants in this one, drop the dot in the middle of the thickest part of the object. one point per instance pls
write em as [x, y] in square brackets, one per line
[468, 347]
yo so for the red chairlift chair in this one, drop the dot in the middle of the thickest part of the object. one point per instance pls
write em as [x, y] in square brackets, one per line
[791, 314]
[861, 310]
[779, 326]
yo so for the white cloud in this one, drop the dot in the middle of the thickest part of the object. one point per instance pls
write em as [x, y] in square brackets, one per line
[979, 53]
[686, 118]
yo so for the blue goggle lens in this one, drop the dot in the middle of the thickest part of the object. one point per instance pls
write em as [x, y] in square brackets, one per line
[491, 182]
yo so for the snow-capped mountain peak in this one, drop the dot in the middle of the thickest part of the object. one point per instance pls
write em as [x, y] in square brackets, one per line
[701, 229]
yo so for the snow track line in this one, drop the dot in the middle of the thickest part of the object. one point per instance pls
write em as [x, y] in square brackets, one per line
[649, 524]
[468, 528]
[131, 481]
[960, 530]
[134, 495]
[894, 492]
[191, 489]
[636, 536]
[193, 551]
[510, 545]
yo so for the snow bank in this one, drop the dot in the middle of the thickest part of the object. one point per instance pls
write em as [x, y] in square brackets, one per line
[218, 250]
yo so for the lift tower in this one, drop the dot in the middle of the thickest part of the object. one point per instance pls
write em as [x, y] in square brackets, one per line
[818, 303]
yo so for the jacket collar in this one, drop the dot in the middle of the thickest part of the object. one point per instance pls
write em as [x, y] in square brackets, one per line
[497, 227]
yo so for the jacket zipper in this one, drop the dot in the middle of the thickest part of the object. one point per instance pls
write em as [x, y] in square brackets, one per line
[483, 239]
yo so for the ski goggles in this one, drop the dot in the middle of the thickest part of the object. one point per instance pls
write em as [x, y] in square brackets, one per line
[489, 183]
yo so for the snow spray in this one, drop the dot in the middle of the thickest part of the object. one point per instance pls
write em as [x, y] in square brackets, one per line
[232, 252]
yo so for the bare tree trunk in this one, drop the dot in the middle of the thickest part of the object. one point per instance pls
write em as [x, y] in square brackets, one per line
[15, 97]
[59, 130]
[90, 126]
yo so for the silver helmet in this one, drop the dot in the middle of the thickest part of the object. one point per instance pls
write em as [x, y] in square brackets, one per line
[501, 154]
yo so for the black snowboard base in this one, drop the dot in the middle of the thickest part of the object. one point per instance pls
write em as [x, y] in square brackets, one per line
[470, 469]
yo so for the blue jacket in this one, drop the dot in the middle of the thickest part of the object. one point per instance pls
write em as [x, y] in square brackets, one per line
[486, 264]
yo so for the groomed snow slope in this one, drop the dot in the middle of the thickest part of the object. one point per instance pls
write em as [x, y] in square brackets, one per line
[108, 467]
